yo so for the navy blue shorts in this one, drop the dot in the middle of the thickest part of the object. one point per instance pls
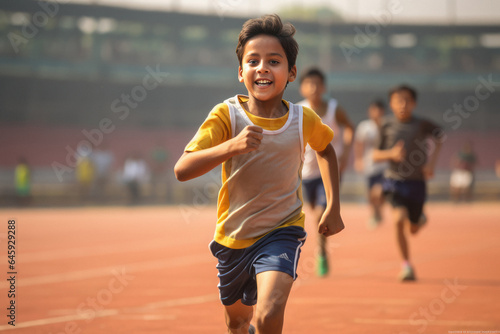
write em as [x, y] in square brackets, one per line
[375, 179]
[314, 192]
[277, 251]
[410, 194]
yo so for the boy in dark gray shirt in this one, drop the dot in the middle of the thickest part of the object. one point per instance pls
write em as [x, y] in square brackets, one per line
[404, 142]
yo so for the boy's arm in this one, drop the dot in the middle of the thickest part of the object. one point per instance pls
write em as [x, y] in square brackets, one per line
[348, 136]
[331, 221]
[433, 156]
[396, 153]
[193, 164]
[359, 149]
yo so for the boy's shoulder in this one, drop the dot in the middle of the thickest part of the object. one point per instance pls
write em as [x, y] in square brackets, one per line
[221, 105]
[220, 109]
[232, 100]
[365, 124]
[305, 109]
[309, 115]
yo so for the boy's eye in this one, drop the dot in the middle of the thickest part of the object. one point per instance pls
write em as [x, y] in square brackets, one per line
[274, 62]
[252, 62]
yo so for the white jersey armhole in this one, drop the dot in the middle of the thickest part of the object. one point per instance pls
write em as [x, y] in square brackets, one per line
[332, 111]
[300, 112]
[232, 116]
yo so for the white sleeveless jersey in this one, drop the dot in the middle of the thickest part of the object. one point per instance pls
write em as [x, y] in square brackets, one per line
[368, 134]
[311, 168]
[264, 185]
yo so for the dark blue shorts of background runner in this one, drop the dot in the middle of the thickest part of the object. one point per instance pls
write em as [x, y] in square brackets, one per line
[277, 251]
[314, 192]
[375, 179]
[410, 194]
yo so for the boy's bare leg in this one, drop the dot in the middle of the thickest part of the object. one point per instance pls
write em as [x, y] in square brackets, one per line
[322, 256]
[238, 317]
[400, 217]
[318, 213]
[322, 244]
[377, 200]
[273, 289]
[414, 228]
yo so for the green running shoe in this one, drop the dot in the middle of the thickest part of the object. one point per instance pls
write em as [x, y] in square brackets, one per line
[322, 266]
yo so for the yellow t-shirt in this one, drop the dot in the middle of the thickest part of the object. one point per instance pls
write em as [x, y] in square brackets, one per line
[217, 128]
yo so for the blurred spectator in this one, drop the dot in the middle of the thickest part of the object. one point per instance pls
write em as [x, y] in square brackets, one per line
[497, 167]
[462, 175]
[23, 182]
[135, 174]
[159, 158]
[103, 159]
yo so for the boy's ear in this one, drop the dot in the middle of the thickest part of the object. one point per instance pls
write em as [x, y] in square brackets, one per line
[240, 74]
[292, 74]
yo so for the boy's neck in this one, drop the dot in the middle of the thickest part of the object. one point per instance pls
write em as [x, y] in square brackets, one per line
[274, 108]
[405, 120]
[319, 106]
[377, 120]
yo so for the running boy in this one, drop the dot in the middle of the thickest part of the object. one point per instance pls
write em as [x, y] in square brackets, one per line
[403, 142]
[365, 141]
[312, 88]
[260, 140]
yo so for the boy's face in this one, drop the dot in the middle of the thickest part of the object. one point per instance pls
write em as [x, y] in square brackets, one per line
[375, 112]
[264, 68]
[312, 88]
[402, 105]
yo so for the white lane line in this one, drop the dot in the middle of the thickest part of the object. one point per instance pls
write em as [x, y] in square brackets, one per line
[106, 271]
[56, 320]
[111, 312]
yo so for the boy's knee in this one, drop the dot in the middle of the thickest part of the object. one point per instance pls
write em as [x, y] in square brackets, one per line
[414, 228]
[237, 324]
[238, 320]
[266, 322]
[400, 216]
[269, 317]
[399, 223]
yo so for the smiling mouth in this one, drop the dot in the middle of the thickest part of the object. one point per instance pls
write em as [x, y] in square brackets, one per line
[263, 82]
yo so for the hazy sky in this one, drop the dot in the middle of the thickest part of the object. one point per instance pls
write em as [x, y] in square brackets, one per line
[403, 11]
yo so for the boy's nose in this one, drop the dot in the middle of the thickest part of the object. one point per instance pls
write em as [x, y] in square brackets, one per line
[262, 68]
[314, 89]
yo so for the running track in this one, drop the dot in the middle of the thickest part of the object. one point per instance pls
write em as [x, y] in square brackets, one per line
[148, 270]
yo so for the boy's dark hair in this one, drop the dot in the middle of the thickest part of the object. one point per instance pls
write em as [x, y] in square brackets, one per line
[404, 88]
[269, 25]
[378, 104]
[313, 72]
